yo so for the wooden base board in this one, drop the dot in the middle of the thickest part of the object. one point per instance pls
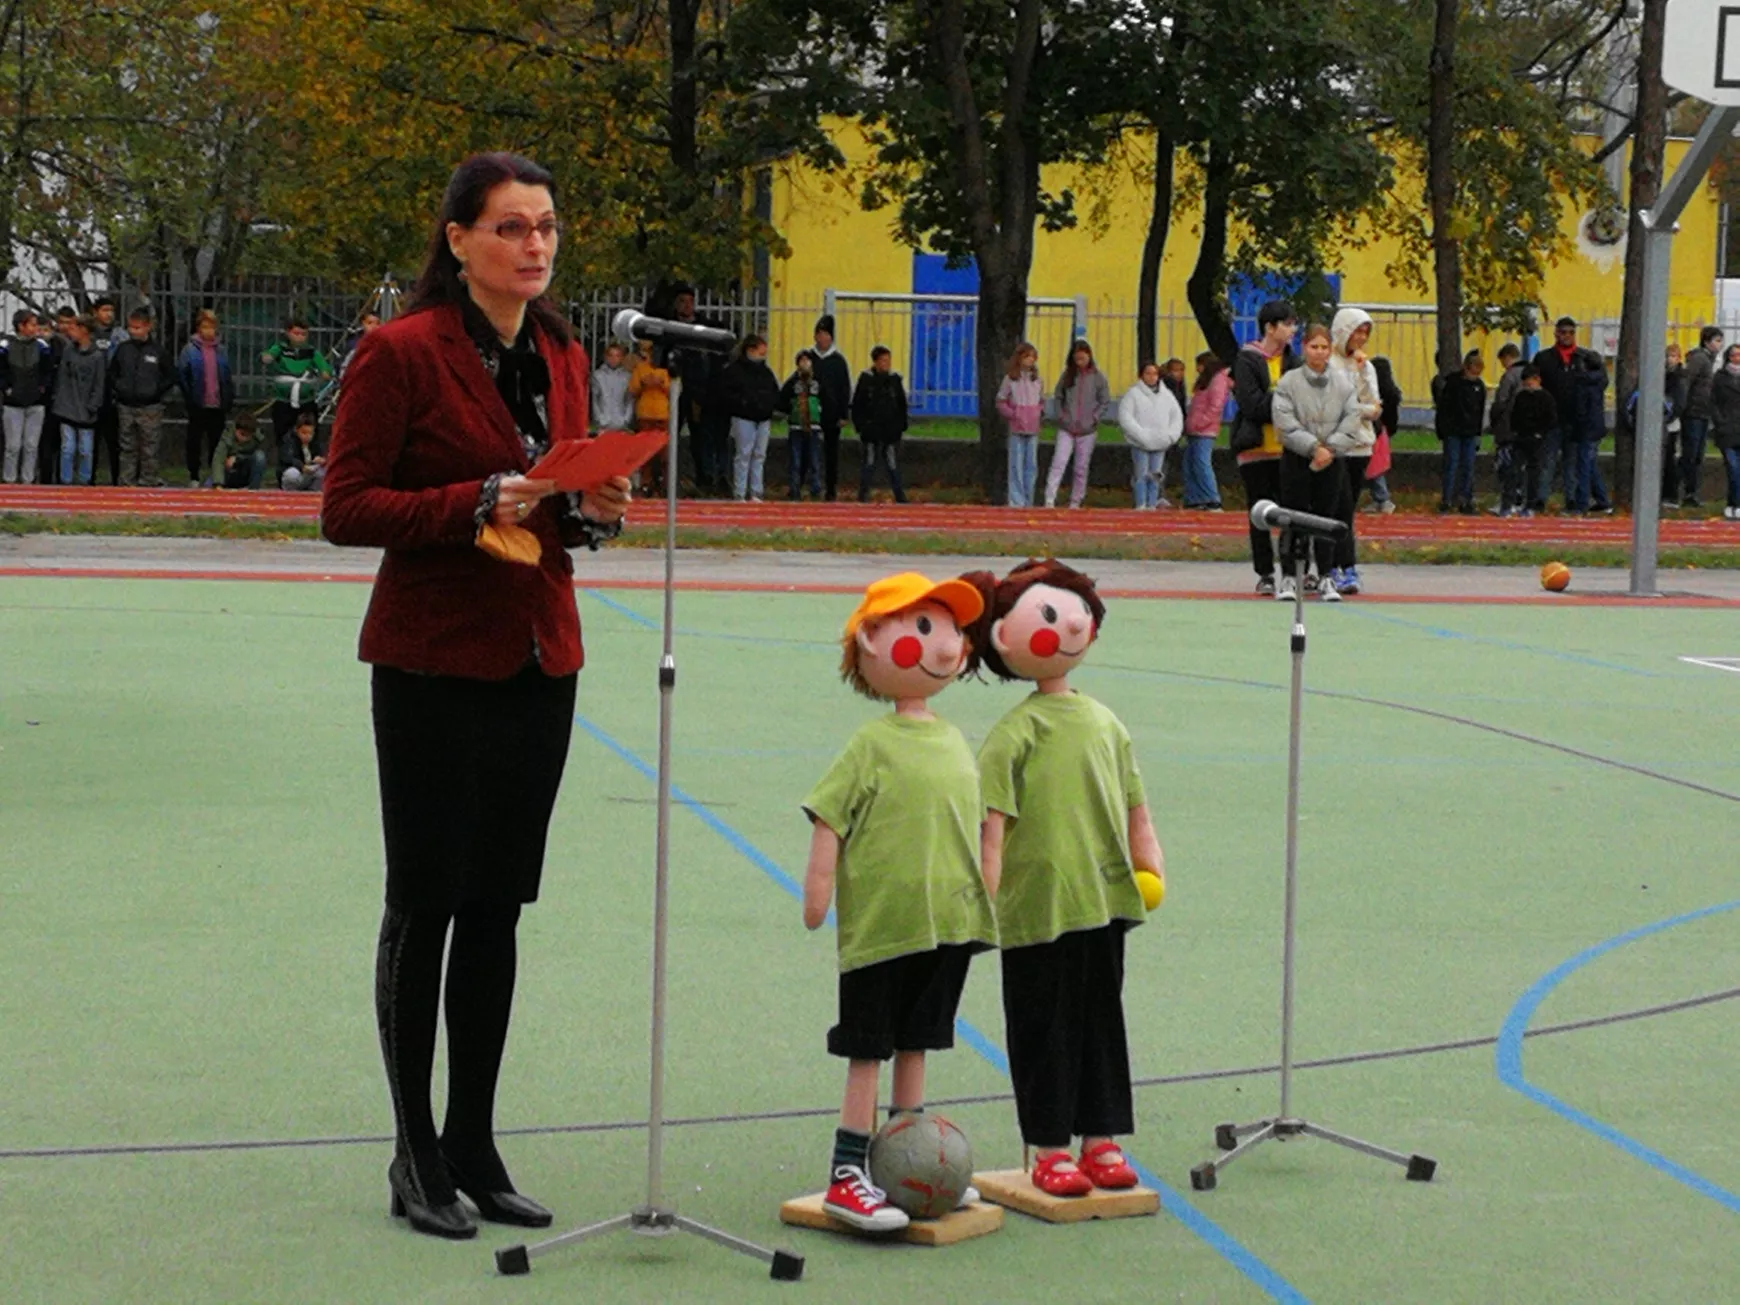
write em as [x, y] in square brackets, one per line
[957, 1226]
[1014, 1188]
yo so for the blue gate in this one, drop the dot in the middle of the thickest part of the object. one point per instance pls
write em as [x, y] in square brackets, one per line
[944, 379]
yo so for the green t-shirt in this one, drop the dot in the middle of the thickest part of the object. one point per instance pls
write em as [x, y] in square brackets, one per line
[1061, 767]
[904, 799]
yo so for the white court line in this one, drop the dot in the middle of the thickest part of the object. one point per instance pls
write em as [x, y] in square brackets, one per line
[1716, 663]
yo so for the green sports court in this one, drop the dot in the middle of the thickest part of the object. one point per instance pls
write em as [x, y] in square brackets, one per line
[1517, 955]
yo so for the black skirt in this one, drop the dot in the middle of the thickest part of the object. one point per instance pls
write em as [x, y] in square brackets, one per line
[469, 773]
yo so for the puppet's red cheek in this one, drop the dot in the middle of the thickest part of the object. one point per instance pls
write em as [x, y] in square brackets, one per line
[1044, 643]
[908, 652]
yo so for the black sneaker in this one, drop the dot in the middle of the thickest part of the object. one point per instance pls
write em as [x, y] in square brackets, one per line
[1312, 584]
[1266, 587]
[1465, 509]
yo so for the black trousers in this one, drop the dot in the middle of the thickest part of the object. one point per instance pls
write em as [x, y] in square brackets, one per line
[830, 458]
[1325, 493]
[108, 436]
[880, 455]
[1063, 1012]
[205, 426]
[1261, 479]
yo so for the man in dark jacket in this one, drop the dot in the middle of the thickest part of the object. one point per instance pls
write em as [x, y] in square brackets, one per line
[702, 410]
[27, 377]
[1256, 369]
[879, 412]
[141, 375]
[1701, 368]
[1568, 373]
[835, 376]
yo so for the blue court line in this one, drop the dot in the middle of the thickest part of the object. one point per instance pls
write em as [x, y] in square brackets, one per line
[1217, 1238]
[1508, 1058]
[1509, 645]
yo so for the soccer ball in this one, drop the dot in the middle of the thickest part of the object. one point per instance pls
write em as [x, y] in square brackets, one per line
[923, 1162]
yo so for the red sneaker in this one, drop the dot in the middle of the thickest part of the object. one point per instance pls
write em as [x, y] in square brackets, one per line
[1105, 1166]
[854, 1200]
[1056, 1174]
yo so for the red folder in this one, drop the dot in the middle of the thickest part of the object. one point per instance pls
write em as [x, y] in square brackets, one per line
[578, 466]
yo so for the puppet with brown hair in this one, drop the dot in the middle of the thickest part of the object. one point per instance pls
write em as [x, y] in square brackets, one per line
[1067, 838]
[895, 833]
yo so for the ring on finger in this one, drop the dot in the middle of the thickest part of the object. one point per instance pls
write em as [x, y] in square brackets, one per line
[521, 509]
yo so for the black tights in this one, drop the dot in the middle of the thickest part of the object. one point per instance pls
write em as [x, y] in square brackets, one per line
[480, 992]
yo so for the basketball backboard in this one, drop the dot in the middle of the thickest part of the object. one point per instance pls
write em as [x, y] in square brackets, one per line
[1701, 52]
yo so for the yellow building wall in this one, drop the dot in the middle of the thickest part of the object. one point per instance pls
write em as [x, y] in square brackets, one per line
[836, 245]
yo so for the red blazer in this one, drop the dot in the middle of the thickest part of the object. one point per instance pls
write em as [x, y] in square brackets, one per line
[420, 426]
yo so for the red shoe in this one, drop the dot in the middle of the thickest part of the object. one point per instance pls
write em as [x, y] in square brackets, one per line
[852, 1199]
[1057, 1175]
[1105, 1167]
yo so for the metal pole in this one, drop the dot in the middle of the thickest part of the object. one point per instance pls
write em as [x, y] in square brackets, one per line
[655, 1151]
[1651, 383]
[1295, 727]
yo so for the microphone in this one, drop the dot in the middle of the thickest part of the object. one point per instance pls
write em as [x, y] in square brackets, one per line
[631, 326]
[1267, 515]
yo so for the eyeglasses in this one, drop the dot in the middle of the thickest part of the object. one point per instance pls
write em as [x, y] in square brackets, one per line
[514, 230]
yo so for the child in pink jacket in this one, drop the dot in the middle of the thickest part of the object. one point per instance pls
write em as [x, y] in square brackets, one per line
[1021, 403]
[1201, 429]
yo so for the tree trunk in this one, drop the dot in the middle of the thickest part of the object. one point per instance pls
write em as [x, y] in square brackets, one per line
[1648, 154]
[1204, 289]
[1154, 251]
[1002, 321]
[1441, 184]
[680, 121]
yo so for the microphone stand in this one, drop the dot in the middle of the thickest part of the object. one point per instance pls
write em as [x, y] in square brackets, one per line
[655, 1218]
[1241, 1139]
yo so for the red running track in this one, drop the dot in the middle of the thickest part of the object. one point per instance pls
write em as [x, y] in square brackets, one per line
[914, 518]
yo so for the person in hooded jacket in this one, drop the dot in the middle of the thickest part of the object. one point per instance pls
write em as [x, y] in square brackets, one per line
[835, 376]
[1257, 369]
[1082, 394]
[750, 393]
[1349, 334]
[1021, 403]
[1317, 413]
[1152, 422]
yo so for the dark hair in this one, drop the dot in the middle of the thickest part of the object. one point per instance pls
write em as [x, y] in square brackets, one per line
[468, 191]
[1530, 372]
[1067, 380]
[1209, 364]
[1729, 350]
[1473, 355]
[751, 341]
[1508, 351]
[20, 317]
[295, 324]
[139, 315]
[1146, 363]
[203, 316]
[1276, 310]
[245, 421]
[104, 302]
[1709, 333]
[1001, 596]
[307, 417]
[881, 351]
[66, 310]
[1565, 321]
[85, 322]
[1170, 363]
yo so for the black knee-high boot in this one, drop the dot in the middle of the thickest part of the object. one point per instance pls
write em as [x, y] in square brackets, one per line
[407, 999]
[480, 994]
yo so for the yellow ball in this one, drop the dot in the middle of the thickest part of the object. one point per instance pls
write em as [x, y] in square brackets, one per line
[1153, 888]
[1555, 576]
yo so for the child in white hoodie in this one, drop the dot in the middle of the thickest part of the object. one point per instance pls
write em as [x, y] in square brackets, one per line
[1349, 333]
[1152, 421]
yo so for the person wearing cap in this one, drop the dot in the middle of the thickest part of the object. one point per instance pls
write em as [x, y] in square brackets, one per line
[894, 848]
[1257, 370]
[835, 376]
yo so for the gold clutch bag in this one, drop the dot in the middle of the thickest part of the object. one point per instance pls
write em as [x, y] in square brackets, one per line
[510, 544]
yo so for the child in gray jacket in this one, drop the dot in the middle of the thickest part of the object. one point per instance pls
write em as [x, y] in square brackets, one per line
[79, 384]
[1316, 410]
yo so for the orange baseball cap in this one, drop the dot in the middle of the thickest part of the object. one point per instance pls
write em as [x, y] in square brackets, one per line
[896, 593]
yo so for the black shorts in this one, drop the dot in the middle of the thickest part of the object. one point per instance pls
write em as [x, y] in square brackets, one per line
[906, 1004]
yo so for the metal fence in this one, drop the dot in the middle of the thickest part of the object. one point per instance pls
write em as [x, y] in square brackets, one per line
[932, 336]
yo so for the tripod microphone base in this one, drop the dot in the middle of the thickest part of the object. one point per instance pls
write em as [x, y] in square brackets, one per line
[651, 1221]
[1241, 1139]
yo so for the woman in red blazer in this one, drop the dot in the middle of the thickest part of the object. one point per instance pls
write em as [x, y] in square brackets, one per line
[475, 658]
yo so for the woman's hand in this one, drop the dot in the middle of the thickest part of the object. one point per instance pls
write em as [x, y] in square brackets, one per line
[518, 497]
[608, 502]
[1322, 457]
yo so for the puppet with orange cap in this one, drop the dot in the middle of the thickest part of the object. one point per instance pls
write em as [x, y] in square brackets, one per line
[894, 846]
[1073, 863]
